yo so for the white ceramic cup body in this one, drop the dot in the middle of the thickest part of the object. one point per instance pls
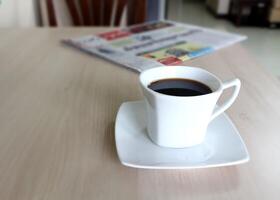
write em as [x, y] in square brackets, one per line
[178, 122]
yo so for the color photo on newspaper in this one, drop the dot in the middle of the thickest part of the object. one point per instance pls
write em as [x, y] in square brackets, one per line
[153, 44]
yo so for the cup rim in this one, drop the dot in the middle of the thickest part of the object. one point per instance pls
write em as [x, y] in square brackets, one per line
[142, 74]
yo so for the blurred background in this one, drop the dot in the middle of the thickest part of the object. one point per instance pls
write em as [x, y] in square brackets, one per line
[258, 19]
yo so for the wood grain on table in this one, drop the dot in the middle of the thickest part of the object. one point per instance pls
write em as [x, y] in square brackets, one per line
[57, 112]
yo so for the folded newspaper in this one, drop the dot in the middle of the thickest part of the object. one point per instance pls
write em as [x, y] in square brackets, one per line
[153, 44]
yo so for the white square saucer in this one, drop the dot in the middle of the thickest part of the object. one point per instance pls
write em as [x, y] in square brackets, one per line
[223, 145]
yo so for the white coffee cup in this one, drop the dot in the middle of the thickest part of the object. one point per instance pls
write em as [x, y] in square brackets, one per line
[181, 121]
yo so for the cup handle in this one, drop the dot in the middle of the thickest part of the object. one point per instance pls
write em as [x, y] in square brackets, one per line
[228, 84]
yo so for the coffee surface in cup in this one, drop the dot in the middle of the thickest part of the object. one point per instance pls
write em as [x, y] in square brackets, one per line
[179, 87]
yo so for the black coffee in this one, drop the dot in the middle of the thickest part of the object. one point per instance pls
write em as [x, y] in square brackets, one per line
[179, 87]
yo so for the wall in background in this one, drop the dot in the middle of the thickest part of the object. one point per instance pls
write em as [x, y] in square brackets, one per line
[18, 13]
[220, 7]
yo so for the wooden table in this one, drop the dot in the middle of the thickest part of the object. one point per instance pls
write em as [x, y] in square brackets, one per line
[57, 113]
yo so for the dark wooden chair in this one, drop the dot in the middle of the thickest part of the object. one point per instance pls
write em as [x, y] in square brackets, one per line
[257, 15]
[99, 12]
